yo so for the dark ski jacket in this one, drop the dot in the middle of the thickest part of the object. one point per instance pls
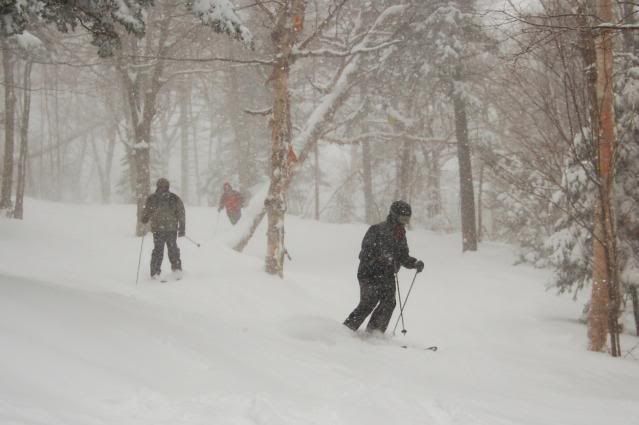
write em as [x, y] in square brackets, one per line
[384, 250]
[166, 212]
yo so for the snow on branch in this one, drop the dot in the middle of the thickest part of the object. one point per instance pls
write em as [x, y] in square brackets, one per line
[343, 53]
[333, 100]
[221, 16]
[388, 136]
[204, 60]
[260, 112]
[29, 46]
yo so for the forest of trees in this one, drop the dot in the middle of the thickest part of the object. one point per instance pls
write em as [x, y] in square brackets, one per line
[514, 125]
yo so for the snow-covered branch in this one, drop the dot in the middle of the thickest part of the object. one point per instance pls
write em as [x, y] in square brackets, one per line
[324, 112]
[260, 112]
[221, 16]
[343, 53]
[329, 103]
[263, 8]
[320, 28]
[387, 136]
[205, 60]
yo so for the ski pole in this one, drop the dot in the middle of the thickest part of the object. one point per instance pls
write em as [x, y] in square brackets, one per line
[140, 259]
[402, 306]
[192, 241]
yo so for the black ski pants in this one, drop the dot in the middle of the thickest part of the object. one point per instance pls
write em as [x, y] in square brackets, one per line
[377, 297]
[170, 240]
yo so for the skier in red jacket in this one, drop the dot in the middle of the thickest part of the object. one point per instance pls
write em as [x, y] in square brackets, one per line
[232, 200]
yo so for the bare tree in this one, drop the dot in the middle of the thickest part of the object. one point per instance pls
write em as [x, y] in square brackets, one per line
[8, 66]
[18, 211]
[344, 79]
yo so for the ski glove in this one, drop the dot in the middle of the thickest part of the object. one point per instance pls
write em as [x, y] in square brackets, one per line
[419, 266]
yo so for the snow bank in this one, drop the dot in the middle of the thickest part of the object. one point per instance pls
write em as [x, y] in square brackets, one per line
[81, 344]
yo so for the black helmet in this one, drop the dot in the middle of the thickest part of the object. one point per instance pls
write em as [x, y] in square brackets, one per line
[162, 183]
[401, 211]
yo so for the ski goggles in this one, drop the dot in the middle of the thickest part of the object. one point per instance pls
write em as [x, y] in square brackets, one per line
[403, 219]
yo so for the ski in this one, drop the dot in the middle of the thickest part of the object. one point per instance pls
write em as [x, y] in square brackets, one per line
[172, 277]
[431, 348]
[167, 279]
[382, 341]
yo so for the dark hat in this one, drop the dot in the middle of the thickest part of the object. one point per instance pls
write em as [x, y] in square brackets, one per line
[401, 208]
[162, 182]
[400, 212]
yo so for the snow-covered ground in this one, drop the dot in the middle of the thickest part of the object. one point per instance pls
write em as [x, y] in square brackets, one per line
[82, 344]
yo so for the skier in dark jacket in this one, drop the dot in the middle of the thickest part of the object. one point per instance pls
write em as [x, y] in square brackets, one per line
[165, 210]
[232, 200]
[384, 250]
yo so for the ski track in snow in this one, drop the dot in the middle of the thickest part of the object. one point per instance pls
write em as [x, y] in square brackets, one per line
[82, 344]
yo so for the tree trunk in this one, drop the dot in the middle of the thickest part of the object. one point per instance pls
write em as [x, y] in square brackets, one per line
[635, 307]
[605, 302]
[367, 176]
[290, 22]
[59, 162]
[142, 114]
[9, 125]
[370, 211]
[317, 175]
[466, 191]
[184, 141]
[141, 92]
[196, 155]
[403, 184]
[433, 185]
[241, 153]
[78, 184]
[98, 165]
[598, 315]
[276, 199]
[104, 169]
[239, 247]
[480, 191]
[108, 166]
[142, 160]
[18, 211]
[42, 141]
[631, 49]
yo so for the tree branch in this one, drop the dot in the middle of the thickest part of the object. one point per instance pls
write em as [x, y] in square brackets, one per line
[323, 24]
[211, 59]
[336, 54]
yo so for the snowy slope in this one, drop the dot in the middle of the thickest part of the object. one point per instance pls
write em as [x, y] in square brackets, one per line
[82, 344]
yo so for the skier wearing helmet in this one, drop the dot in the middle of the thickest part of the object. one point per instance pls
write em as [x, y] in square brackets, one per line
[384, 250]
